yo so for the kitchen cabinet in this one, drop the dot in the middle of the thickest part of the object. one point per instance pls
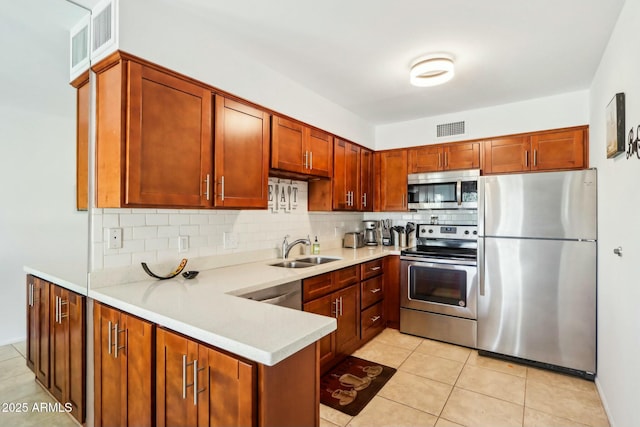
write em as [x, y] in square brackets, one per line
[432, 158]
[372, 296]
[38, 328]
[153, 136]
[299, 149]
[391, 283]
[336, 294]
[365, 201]
[67, 349]
[550, 150]
[123, 368]
[346, 176]
[197, 385]
[82, 140]
[55, 342]
[391, 179]
[241, 148]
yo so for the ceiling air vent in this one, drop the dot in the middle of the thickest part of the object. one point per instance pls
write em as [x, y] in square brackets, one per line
[79, 39]
[103, 29]
[450, 129]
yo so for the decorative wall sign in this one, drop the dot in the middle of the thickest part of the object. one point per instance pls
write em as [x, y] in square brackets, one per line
[283, 195]
[634, 144]
[615, 126]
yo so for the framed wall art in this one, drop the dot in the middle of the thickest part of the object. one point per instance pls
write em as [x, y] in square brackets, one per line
[615, 126]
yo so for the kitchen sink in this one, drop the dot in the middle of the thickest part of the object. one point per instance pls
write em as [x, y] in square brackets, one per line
[293, 264]
[318, 259]
[305, 262]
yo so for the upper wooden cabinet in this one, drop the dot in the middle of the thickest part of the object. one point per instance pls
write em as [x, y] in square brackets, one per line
[540, 151]
[154, 138]
[365, 201]
[430, 158]
[298, 149]
[241, 155]
[391, 177]
[346, 175]
[82, 141]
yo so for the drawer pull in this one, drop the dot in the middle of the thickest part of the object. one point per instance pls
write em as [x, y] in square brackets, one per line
[375, 268]
[375, 291]
[374, 319]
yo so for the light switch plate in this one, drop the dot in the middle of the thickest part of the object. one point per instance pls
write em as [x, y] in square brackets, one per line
[230, 240]
[183, 243]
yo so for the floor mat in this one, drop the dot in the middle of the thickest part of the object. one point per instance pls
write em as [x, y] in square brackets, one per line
[352, 384]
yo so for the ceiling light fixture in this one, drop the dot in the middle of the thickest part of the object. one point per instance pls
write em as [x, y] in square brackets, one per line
[431, 71]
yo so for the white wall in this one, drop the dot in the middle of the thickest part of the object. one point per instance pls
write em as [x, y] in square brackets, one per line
[564, 110]
[618, 207]
[38, 220]
[168, 34]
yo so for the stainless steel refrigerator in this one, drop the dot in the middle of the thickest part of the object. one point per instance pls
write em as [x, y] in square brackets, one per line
[537, 258]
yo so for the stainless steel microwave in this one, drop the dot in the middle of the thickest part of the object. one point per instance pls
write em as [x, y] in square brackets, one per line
[443, 190]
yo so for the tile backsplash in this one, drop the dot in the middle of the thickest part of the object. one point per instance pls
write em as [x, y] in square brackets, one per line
[152, 235]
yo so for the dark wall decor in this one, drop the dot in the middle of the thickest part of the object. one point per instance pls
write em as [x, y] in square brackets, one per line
[634, 144]
[615, 126]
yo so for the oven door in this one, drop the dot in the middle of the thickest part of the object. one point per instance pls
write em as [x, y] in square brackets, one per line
[435, 287]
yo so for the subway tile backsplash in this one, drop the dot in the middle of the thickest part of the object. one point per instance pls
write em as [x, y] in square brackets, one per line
[151, 235]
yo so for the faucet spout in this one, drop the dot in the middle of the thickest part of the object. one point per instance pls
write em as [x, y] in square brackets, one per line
[286, 246]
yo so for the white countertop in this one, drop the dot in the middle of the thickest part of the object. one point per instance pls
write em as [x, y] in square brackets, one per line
[204, 308]
[72, 276]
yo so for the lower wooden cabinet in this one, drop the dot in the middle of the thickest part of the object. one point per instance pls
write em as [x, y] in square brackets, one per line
[123, 368]
[392, 290]
[56, 342]
[197, 385]
[372, 296]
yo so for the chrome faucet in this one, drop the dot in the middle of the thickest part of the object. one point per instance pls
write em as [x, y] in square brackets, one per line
[286, 246]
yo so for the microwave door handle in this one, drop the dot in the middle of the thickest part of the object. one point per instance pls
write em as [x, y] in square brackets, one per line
[459, 192]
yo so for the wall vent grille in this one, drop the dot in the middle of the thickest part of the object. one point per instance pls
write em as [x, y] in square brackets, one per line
[80, 46]
[102, 27]
[450, 129]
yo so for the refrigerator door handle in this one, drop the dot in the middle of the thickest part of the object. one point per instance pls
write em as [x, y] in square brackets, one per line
[481, 266]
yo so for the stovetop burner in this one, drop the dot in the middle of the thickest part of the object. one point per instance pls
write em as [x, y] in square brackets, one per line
[445, 242]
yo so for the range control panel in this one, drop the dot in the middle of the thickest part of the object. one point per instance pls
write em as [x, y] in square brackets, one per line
[437, 231]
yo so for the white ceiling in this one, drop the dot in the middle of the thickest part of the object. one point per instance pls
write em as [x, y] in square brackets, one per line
[357, 53]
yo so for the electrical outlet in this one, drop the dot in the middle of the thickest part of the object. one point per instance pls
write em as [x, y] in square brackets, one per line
[230, 240]
[183, 243]
[115, 238]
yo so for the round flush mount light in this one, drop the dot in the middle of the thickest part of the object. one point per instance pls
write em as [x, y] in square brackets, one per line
[432, 70]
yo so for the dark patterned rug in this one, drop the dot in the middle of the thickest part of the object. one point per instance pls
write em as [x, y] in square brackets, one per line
[352, 384]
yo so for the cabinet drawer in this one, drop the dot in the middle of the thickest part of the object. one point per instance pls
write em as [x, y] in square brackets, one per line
[346, 276]
[371, 268]
[372, 321]
[372, 291]
[316, 287]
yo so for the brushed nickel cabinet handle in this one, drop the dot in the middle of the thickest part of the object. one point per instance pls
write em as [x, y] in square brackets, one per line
[222, 190]
[305, 160]
[535, 157]
[439, 160]
[374, 319]
[206, 187]
[109, 339]
[185, 385]
[375, 291]
[376, 268]
[117, 333]
[61, 303]
[115, 340]
[311, 160]
[195, 382]
[364, 200]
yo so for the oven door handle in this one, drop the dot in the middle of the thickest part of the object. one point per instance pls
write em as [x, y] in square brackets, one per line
[481, 266]
[459, 192]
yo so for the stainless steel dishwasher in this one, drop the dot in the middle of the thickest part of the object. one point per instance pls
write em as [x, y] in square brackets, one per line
[284, 295]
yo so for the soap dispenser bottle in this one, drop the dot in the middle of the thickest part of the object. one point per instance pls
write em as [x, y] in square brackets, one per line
[316, 247]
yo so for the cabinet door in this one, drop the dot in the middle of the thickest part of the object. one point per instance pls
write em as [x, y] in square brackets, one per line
[392, 285]
[341, 196]
[352, 174]
[373, 321]
[365, 201]
[317, 286]
[504, 155]
[241, 155]
[371, 268]
[74, 313]
[325, 306]
[175, 398]
[110, 404]
[168, 139]
[558, 150]
[139, 353]
[345, 277]
[425, 159]
[287, 144]
[59, 342]
[462, 156]
[227, 387]
[42, 304]
[371, 291]
[82, 146]
[32, 324]
[320, 160]
[348, 332]
[393, 180]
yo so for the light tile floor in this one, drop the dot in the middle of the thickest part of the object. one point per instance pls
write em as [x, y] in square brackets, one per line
[437, 384]
[19, 390]
[444, 385]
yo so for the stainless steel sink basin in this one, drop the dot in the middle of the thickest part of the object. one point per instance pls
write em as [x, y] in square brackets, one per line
[293, 264]
[318, 259]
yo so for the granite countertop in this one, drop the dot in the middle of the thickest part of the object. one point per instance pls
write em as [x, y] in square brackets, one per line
[206, 308]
